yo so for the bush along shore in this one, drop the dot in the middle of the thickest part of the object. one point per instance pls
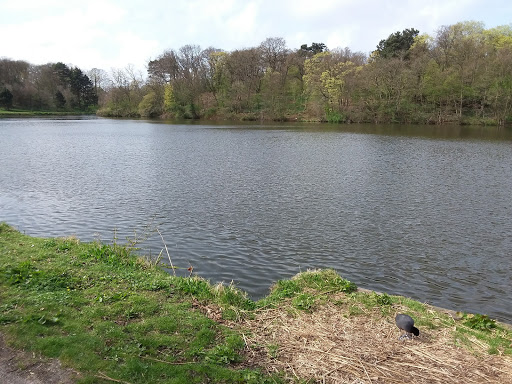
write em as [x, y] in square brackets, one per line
[111, 316]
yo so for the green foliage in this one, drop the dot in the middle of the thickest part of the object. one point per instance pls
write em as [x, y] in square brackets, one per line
[229, 297]
[286, 288]
[19, 274]
[112, 254]
[226, 353]
[321, 282]
[150, 106]
[397, 44]
[334, 116]
[42, 319]
[192, 286]
[189, 111]
[461, 75]
[60, 100]
[478, 321]
[169, 101]
[382, 299]
[326, 280]
[375, 299]
[80, 85]
[304, 301]
[49, 243]
[27, 276]
[124, 108]
[314, 48]
[6, 98]
[273, 351]
[362, 301]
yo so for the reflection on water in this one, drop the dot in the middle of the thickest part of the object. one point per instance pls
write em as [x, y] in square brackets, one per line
[419, 211]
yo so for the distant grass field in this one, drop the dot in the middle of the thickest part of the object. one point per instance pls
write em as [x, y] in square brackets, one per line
[25, 113]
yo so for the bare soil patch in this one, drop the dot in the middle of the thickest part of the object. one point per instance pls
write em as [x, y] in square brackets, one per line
[20, 367]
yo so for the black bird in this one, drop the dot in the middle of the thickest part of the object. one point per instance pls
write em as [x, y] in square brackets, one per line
[406, 323]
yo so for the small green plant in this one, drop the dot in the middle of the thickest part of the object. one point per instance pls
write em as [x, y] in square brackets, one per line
[383, 299]
[22, 273]
[226, 353]
[333, 116]
[49, 243]
[339, 303]
[106, 298]
[273, 351]
[304, 301]
[113, 254]
[64, 246]
[42, 319]
[29, 277]
[286, 288]
[354, 310]
[192, 286]
[478, 321]
[231, 296]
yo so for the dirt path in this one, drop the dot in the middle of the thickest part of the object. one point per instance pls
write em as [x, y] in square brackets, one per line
[19, 367]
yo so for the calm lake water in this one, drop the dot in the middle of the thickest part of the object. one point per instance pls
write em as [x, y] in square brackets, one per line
[420, 211]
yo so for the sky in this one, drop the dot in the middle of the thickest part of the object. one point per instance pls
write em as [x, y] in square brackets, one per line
[110, 34]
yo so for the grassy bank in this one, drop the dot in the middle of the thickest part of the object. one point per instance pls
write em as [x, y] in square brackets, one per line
[118, 318]
[107, 313]
[26, 113]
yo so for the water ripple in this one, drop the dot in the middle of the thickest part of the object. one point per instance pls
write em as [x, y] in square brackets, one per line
[424, 216]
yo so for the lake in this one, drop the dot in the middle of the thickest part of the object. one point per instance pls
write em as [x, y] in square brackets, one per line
[420, 211]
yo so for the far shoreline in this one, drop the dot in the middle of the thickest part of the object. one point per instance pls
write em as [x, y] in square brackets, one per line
[240, 119]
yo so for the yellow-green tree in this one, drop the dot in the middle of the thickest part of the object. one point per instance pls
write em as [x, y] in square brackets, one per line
[150, 105]
[325, 82]
[169, 101]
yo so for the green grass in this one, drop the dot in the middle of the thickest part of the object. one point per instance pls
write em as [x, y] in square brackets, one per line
[99, 308]
[323, 283]
[26, 113]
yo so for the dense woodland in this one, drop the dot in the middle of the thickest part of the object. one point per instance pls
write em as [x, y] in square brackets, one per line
[463, 74]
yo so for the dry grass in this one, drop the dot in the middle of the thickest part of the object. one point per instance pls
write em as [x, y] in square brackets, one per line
[330, 346]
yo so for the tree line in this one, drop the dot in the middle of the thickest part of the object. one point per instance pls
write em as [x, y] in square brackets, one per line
[461, 74]
[52, 87]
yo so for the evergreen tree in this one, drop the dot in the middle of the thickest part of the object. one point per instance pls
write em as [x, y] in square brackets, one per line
[313, 49]
[60, 100]
[397, 44]
[80, 85]
[6, 98]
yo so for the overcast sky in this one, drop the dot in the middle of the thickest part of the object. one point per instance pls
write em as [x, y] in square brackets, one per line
[114, 33]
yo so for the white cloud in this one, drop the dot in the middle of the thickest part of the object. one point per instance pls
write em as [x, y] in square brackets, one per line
[243, 24]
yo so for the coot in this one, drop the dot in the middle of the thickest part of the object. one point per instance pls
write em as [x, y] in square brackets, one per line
[406, 323]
